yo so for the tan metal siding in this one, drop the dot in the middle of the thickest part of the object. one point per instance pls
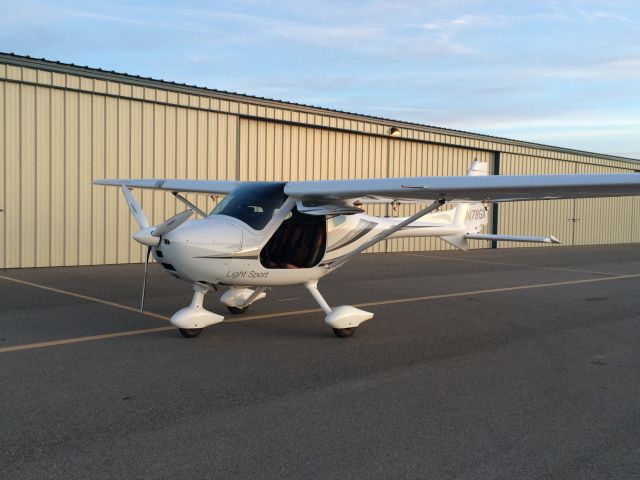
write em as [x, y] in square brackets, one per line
[43, 176]
[574, 222]
[538, 217]
[3, 176]
[12, 168]
[57, 171]
[111, 195]
[85, 243]
[59, 131]
[124, 221]
[318, 155]
[604, 222]
[98, 206]
[418, 159]
[27, 180]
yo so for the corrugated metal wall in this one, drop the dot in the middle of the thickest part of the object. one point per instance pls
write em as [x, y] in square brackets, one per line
[63, 127]
[574, 222]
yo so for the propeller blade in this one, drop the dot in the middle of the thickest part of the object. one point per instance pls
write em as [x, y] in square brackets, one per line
[144, 280]
[135, 208]
[171, 224]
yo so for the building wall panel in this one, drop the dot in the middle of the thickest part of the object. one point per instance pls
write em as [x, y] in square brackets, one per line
[112, 201]
[66, 128]
[85, 178]
[28, 174]
[57, 179]
[12, 168]
[98, 205]
[124, 222]
[607, 221]
[538, 217]
[136, 251]
[419, 159]
[42, 186]
[3, 176]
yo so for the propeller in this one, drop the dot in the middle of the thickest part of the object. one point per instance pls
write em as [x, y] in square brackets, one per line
[144, 279]
[171, 224]
[150, 236]
[134, 206]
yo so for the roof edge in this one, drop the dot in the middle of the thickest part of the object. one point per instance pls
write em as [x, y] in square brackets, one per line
[111, 75]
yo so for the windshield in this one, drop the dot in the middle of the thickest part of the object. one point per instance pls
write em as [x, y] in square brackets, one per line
[253, 203]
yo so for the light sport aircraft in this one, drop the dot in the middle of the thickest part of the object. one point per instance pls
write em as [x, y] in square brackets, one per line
[267, 234]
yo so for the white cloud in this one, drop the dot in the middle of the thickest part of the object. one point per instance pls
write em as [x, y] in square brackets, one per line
[614, 69]
[464, 21]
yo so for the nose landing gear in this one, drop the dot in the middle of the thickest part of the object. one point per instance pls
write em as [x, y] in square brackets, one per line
[238, 299]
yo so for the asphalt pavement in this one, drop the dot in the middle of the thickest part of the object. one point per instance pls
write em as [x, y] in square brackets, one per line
[509, 364]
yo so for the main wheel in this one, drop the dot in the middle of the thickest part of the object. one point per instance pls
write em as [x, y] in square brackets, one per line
[344, 332]
[190, 332]
[237, 310]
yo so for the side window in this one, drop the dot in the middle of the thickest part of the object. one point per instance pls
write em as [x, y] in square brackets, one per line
[339, 220]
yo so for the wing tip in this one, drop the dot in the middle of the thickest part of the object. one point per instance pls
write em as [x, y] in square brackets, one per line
[107, 181]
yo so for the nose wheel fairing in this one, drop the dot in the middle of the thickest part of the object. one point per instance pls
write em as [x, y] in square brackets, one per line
[241, 298]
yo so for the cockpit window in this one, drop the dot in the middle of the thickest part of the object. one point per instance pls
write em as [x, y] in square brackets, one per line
[253, 203]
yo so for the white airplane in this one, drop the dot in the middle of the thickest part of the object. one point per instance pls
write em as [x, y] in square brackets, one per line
[267, 234]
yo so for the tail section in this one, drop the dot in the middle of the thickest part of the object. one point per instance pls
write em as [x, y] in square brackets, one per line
[470, 217]
[462, 223]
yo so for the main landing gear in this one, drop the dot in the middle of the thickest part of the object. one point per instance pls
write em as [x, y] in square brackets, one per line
[191, 320]
[343, 320]
[190, 332]
[194, 318]
[344, 332]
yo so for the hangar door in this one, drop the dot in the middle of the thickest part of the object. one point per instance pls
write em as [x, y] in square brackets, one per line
[413, 158]
[574, 222]
[278, 151]
[274, 150]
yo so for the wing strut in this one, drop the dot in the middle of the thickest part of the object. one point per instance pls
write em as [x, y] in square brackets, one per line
[382, 235]
[189, 204]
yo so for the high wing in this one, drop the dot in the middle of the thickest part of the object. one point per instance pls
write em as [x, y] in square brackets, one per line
[492, 188]
[221, 187]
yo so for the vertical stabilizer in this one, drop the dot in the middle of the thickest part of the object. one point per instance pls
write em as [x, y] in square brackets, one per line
[470, 217]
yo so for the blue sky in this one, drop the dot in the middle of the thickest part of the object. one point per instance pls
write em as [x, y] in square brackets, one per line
[564, 73]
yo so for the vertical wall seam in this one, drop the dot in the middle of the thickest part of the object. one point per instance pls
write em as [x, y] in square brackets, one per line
[207, 162]
[4, 187]
[77, 186]
[129, 162]
[20, 159]
[237, 147]
[495, 209]
[104, 169]
[64, 172]
[117, 159]
[34, 182]
[35, 174]
[153, 152]
[91, 174]
[50, 203]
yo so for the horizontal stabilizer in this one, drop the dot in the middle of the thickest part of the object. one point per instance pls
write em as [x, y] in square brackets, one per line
[510, 238]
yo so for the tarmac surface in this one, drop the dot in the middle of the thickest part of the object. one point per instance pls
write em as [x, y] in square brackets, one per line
[510, 363]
